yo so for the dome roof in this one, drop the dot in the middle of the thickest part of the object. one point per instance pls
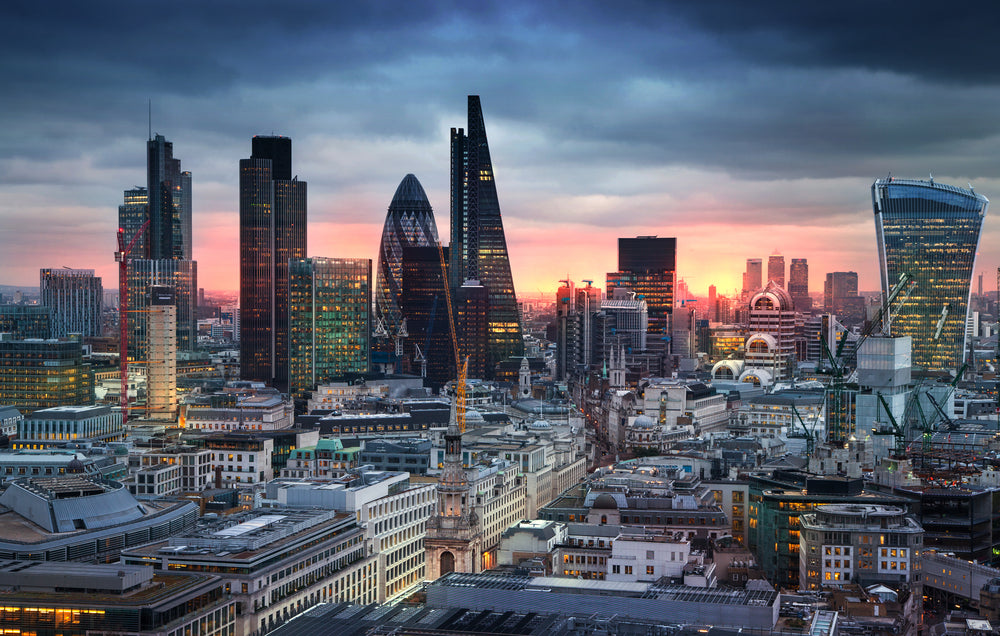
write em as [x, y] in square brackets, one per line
[540, 425]
[410, 194]
[773, 296]
[605, 502]
[727, 369]
[472, 415]
[644, 422]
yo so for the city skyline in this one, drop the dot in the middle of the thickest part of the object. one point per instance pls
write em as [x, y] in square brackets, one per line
[604, 123]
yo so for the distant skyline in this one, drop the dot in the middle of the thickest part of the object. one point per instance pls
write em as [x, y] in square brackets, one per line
[739, 129]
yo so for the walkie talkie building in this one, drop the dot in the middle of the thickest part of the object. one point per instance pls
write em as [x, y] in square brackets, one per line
[931, 231]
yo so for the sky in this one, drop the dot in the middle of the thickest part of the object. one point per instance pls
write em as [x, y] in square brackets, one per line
[741, 128]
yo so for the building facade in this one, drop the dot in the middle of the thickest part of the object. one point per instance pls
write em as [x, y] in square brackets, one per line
[798, 285]
[39, 374]
[161, 347]
[272, 231]
[647, 267]
[478, 249]
[409, 222]
[776, 269]
[329, 320]
[61, 424]
[930, 231]
[75, 297]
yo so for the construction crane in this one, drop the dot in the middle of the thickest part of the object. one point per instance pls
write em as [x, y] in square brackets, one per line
[810, 433]
[122, 258]
[839, 363]
[461, 366]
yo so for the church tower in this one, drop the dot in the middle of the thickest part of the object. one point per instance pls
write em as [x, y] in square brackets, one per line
[524, 380]
[617, 370]
[454, 541]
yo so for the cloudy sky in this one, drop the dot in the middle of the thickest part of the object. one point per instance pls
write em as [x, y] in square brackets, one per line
[739, 127]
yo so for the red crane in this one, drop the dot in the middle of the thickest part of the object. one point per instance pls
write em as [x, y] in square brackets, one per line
[121, 257]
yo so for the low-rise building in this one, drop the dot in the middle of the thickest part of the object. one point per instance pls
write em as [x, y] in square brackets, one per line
[410, 454]
[10, 418]
[535, 539]
[275, 564]
[868, 544]
[77, 598]
[78, 424]
[325, 460]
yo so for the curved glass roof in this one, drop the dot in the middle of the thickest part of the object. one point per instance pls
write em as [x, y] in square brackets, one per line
[409, 194]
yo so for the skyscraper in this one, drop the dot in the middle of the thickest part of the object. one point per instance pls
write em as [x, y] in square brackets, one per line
[798, 285]
[776, 269]
[753, 277]
[75, 297]
[932, 232]
[424, 304]
[162, 254]
[169, 193]
[161, 348]
[647, 267]
[329, 320]
[408, 223]
[840, 297]
[478, 247]
[272, 231]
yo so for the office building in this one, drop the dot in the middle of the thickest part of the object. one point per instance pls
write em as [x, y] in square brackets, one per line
[180, 275]
[647, 267]
[776, 269]
[77, 517]
[428, 350]
[930, 231]
[75, 297]
[329, 320]
[753, 278]
[76, 598]
[841, 299]
[798, 285]
[26, 321]
[408, 223]
[161, 348]
[478, 250]
[867, 544]
[168, 190]
[39, 374]
[770, 348]
[60, 425]
[132, 215]
[472, 327]
[272, 231]
[277, 563]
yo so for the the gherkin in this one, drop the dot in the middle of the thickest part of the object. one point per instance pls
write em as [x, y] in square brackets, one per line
[408, 223]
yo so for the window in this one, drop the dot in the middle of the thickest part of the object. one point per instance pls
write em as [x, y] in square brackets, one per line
[616, 569]
[649, 569]
[628, 569]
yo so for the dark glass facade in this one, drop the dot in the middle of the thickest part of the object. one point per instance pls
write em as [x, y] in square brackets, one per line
[26, 321]
[424, 304]
[132, 213]
[169, 192]
[472, 304]
[408, 223]
[798, 284]
[329, 320]
[272, 231]
[647, 267]
[478, 247]
[930, 231]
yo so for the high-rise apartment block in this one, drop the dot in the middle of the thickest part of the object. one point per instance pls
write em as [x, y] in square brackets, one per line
[408, 223]
[272, 231]
[930, 231]
[798, 285]
[75, 297]
[647, 267]
[329, 319]
[753, 278]
[776, 269]
[478, 249]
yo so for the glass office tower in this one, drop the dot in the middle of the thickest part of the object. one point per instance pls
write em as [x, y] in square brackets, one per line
[931, 231]
[408, 223]
[329, 320]
[478, 247]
